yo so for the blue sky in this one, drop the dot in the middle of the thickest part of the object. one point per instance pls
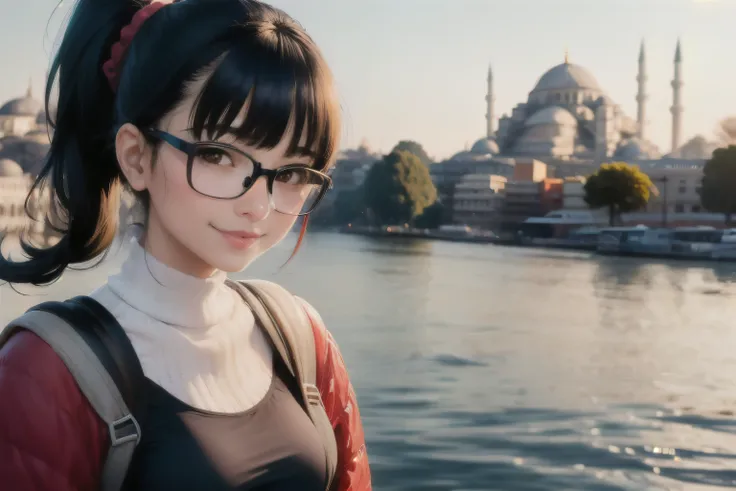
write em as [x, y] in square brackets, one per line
[416, 68]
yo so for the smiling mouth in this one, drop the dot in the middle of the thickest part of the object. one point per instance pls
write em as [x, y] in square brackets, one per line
[239, 239]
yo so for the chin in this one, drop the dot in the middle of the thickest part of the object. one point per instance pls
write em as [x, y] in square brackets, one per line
[231, 262]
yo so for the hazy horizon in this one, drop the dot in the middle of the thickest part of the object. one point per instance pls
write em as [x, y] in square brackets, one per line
[416, 69]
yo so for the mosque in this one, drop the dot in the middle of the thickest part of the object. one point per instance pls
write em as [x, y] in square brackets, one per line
[569, 123]
[24, 141]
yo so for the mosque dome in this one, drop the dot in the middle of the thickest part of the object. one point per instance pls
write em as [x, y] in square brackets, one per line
[633, 149]
[9, 168]
[485, 146]
[553, 115]
[22, 106]
[567, 76]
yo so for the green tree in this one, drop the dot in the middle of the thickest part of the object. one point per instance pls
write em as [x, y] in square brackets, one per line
[620, 187]
[348, 207]
[431, 217]
[398, 188]
[719, 182]
[413, 148]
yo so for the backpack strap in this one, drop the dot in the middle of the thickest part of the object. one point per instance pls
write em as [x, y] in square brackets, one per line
[286, 322]
[100, 357]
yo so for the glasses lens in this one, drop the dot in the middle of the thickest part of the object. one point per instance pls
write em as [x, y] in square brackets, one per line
[296, 191]
[219, 172]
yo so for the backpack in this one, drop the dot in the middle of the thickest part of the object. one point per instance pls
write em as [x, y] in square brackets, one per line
[101, 358]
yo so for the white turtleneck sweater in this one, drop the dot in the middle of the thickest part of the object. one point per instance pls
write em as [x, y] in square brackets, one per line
[196, 338]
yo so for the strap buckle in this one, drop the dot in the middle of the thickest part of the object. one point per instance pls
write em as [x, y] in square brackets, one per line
[125, 430]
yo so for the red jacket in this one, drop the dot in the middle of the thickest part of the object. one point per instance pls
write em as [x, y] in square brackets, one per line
[52, 440]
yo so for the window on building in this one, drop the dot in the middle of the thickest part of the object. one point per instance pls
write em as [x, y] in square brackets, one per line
[696, 209]
[679, 208]
[683, 190]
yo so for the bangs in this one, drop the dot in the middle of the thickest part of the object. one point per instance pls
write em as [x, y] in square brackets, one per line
[283, 84]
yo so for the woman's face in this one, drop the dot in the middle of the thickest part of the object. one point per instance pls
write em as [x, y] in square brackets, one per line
[198, 234]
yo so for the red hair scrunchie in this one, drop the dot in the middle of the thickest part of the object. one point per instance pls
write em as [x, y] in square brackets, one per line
[112, 67]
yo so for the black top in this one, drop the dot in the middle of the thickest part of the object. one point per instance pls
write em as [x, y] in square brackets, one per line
[270, 447]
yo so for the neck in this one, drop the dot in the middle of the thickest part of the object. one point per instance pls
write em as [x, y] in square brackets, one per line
[168, 294]
[159, 243]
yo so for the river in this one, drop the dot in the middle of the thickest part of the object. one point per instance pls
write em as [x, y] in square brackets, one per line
[480, 367]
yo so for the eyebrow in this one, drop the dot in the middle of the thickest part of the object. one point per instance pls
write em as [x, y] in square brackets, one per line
[300, 151]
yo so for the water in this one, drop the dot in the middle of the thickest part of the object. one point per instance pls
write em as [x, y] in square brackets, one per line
[481, 367]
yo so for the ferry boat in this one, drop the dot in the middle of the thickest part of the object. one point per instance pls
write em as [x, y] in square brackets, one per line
[702, 242]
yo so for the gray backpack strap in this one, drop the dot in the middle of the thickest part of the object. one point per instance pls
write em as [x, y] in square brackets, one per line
[79, 333]
[287, 324]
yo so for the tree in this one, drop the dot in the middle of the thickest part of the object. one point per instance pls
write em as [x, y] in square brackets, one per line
[727, 131]
[620, 187]
[348, 207]
[431, 217]
[719, 181]
[413, 148]
[398, 188]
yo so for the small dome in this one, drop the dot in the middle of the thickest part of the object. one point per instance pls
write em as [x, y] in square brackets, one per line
[485, 146]
[634, 149]
[22, 106]
[9, 168]
[554, 115]
[567, 76]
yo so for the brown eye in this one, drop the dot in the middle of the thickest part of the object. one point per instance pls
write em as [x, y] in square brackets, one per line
[293, 176]
[213, 156]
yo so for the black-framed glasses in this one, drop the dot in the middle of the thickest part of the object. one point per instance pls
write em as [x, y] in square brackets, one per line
[221, 171]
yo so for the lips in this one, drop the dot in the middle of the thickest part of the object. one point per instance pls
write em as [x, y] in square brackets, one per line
[239, 239]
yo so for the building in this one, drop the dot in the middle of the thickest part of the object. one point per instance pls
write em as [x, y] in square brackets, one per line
[573, 193]
[571, 124]
[14, 188]
[21, 116]
[678, 189]
[24, 133]
[530, 194]
[446, 175]
[477, 200]
[529, 170]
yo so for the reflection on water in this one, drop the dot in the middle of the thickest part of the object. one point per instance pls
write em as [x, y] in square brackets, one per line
[481, 367]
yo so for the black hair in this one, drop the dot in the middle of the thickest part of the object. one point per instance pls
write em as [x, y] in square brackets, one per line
[250, 52]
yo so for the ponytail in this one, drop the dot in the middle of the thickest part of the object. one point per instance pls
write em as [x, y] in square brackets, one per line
[254, 55]
[81, 167]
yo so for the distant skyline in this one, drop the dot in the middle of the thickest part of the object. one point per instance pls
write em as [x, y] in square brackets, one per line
[416, 69]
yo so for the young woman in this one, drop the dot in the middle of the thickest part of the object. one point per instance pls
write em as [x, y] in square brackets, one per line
[222, 117]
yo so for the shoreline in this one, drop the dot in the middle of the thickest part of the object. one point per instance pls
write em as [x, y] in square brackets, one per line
[725, 255]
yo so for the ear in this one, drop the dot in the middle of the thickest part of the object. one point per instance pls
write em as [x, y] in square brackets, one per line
[134, 156]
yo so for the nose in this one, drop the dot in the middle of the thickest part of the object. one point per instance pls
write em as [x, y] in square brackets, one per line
[256, 203]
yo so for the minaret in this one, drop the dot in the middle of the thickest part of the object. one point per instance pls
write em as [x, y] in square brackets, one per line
[677, 108]
[489, 109]
[29, 92]
[641, 96]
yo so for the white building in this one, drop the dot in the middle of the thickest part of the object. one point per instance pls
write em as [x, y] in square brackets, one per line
[14, 188]
[570, 123]
[21, 116]
[477, 200]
